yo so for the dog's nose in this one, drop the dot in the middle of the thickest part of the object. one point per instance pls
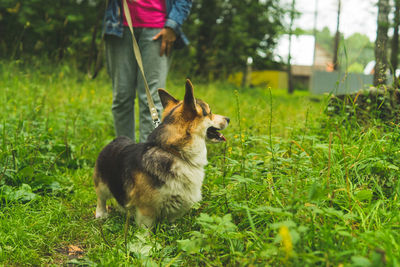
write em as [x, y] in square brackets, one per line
[227, 120]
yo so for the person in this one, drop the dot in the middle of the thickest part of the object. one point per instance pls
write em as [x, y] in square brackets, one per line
[158, 29]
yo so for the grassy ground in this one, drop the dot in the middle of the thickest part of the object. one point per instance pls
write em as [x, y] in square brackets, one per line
[290, 187]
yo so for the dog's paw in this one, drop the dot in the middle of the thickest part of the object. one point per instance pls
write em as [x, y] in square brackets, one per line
[101, 214]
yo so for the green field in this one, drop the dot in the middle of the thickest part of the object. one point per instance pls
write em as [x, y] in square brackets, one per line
[290, 187]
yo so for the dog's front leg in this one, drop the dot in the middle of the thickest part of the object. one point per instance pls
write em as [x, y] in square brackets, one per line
[145, 217]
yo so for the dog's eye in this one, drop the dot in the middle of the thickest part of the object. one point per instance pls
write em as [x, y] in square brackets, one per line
[204, 111]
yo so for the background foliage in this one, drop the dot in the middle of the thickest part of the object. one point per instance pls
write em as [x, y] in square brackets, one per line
[223, 33]
[355, 51]
[54, 29]
[226, 33]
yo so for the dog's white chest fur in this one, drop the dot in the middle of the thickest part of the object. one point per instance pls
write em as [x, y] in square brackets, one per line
[181, 192]
[186, 184]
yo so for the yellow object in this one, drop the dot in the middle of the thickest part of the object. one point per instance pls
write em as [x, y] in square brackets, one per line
[14, 9]
[264, 78]
[287, 244]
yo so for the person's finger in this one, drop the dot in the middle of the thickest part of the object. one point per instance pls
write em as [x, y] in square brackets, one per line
[157, 36]
[163, 47]
[169, 48]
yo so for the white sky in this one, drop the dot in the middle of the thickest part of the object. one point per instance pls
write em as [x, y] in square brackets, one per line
[302, 49]
[356, 16]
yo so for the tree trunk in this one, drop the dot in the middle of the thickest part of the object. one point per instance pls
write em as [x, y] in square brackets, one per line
[395, 42]
[381, 43]
[289, 63]
[337, 39]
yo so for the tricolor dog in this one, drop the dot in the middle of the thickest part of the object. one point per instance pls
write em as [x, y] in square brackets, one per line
[161, 178]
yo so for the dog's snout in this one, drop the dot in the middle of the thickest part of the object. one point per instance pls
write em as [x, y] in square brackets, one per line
[227, 120]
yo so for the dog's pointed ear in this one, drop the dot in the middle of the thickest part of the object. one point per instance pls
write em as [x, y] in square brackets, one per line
[189, 101]
[166, 98]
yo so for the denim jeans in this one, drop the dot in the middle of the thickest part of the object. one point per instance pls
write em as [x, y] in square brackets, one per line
[127, 79]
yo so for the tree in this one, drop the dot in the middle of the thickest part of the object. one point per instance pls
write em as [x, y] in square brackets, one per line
[337, 39]
[47, 28]
[381, 43]
[359, 49]
[395, 39]
[289, 64]
[225, 33]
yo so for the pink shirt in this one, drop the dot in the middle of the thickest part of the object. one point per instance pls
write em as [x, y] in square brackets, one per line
[147, 13]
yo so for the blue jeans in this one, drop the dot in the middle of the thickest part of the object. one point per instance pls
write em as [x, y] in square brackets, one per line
[127, 79]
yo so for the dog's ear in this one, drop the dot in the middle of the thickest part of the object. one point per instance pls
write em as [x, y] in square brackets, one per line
[189, 102]
[166, 98]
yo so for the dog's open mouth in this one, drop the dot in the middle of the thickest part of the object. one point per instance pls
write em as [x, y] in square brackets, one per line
[214, 135]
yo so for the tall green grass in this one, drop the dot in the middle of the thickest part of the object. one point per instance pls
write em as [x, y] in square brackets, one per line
[289, 187]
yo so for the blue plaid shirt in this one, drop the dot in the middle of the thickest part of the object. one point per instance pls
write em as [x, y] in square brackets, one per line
[177, 12]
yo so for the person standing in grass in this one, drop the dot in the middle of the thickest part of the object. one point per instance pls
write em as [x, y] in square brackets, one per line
[158, 29]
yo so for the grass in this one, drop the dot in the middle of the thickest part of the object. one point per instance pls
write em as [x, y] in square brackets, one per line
[290, 187]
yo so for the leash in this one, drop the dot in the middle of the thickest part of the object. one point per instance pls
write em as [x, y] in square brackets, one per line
[138, 56]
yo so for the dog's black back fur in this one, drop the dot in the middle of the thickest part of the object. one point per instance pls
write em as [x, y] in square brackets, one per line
[121, 157]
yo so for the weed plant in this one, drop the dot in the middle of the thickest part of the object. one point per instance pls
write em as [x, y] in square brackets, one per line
[290, 187]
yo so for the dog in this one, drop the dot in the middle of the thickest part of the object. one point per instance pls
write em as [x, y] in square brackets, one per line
[160, 179]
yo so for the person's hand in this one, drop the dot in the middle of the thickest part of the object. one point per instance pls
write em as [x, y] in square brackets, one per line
[168, 38]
